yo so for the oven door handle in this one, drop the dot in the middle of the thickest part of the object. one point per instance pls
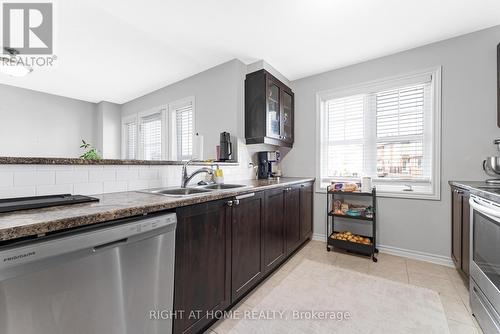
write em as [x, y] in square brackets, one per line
[484, 209]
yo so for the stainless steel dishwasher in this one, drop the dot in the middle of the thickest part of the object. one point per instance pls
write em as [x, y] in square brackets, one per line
[105, 280]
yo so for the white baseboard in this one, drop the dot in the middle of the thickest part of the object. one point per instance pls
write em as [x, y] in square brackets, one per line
[408, 253]
[318, 237]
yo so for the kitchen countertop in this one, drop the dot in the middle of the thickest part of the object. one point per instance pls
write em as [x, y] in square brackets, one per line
[480, 188]
[80, 161]
[29, 223]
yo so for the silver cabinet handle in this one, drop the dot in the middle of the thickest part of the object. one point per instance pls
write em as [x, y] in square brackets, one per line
[245, 196]
[236, 202]
[229, 203]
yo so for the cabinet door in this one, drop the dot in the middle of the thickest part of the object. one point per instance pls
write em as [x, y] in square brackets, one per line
[292, 218]
[465, 232]
[306, 210]
[456, 228]
[273, 117]
[202, 264]
[274, 229]
[287, 116]
[246, 230]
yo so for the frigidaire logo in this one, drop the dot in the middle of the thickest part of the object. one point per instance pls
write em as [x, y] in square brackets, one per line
[17, 257]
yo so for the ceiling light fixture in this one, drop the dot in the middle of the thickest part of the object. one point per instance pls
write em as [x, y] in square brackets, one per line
[11, 64]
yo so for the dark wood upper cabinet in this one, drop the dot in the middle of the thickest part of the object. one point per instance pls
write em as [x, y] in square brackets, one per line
[202, 263]
[247, 259]
[292, 218]
[269, 110]
[306, 210]
[460, 229]
[273, 238]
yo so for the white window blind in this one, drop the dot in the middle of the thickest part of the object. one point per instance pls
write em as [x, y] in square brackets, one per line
[386, 131]
[400, 132]
[182, 118]
[345, 119]
[130, 140]
[151, 136]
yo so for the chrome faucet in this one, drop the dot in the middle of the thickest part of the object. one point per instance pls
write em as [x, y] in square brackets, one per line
[186, 178]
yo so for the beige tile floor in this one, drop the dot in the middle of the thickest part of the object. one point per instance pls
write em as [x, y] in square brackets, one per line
[444, 280]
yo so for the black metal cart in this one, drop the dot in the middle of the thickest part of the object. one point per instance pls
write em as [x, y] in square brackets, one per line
[354, 247]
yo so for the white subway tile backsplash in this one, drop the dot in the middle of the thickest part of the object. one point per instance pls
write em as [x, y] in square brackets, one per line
[32, 180]
[54, 189]
[102, 175]
[29, 178]
[53, 167]
[155, 184]
[88, 188]
[138, 185]
[115, 186]
[72, 176]
[6, 179]
[148, 174]
[9, 192]
[127, 174]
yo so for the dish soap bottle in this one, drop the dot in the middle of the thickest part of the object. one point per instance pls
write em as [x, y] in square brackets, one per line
[219, 176]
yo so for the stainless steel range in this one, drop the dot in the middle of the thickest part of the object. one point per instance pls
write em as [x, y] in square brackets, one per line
[485, 263]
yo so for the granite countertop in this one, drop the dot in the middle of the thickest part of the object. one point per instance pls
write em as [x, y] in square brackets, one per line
[79, 161]
[480, 188]
[113, 206]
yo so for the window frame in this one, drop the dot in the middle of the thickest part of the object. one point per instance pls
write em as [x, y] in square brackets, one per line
[387, 187]
[172, 130]
[143, 114]
[168, 139]
[125, 121]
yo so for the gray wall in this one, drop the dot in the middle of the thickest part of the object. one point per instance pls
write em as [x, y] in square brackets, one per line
[218, 94]
[109, 120]
[468, 129]
[39, 124]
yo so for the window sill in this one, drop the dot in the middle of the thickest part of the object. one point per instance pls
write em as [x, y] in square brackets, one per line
[424, 193]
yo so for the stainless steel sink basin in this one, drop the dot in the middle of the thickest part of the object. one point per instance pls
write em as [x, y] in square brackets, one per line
[178, 191]
[224, 186]
[189, 191]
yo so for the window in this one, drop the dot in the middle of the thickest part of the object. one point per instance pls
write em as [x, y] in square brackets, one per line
[130, 138]
[388, 130]
[181, 129]
[151, 136]
[160, 133]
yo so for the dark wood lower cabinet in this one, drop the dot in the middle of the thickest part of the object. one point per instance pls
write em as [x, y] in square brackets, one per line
[306, 210]
[273, 237]
[460, 229]
[247, 259]
[465, 233]
[292, 218]
[202, 264]
[456, 227]
[225, 248]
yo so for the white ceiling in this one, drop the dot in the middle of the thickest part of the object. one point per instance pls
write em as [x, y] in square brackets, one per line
[117, 50]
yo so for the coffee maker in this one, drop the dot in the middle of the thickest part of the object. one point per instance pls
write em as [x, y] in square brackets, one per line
[268, 161]
[226, 148]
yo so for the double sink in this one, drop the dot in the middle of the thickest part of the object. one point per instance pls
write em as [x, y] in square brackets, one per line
[181, 192]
